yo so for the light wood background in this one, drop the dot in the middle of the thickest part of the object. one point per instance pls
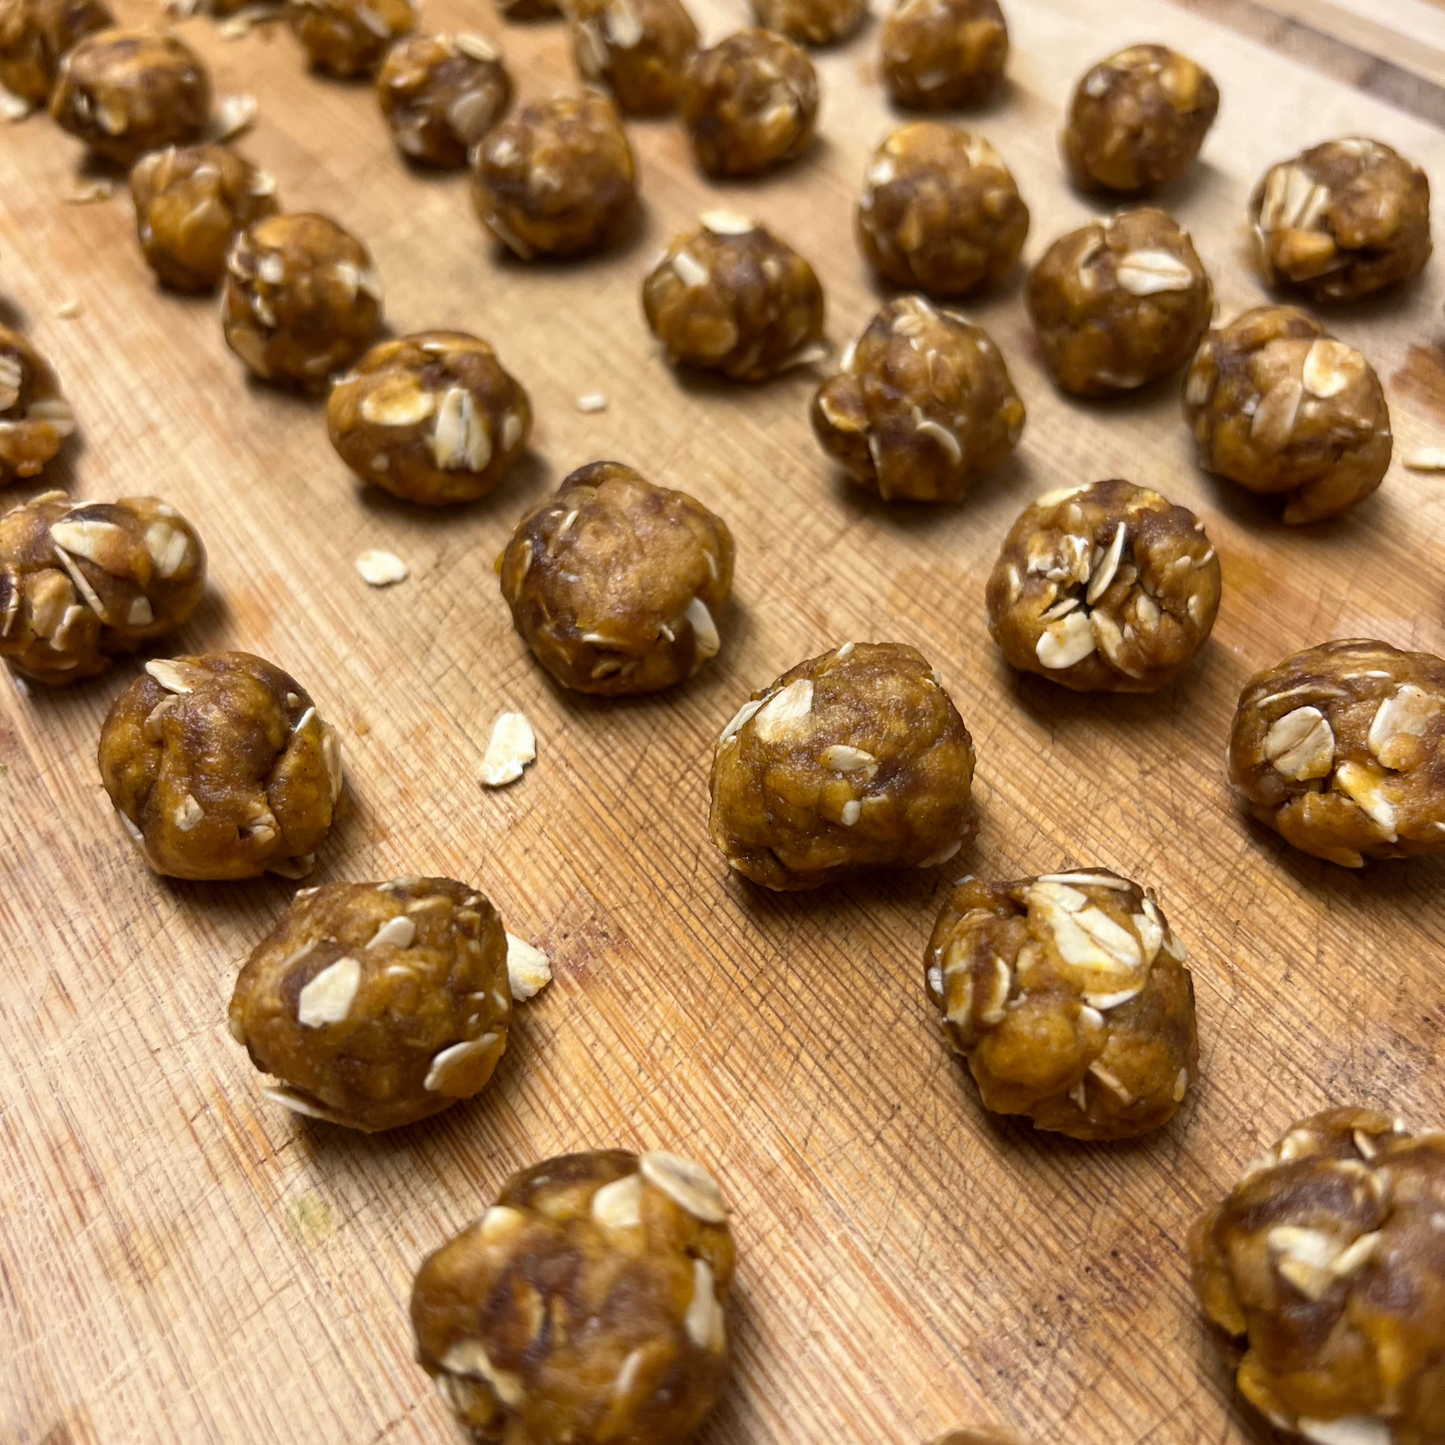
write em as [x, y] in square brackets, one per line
[182, 1262]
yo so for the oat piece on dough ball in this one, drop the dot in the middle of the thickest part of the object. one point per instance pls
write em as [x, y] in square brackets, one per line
[190, 204]
[349, 37]
[558, 178]
[750, 103]
[636, 48]
[1341, 750]
[1120, 303]
[923, 406]
[441, 94]
[1279, 406]
[1104, 588]
[302, 299]
[34, 418]
[1138, 120]
[1322, 1274]
[377, 1004]
[617, 585]
[83, 584]
[853, 760]
[730, 297]
[590, 1303]
[433, 418]
[1068, 996]
[943, 54]
[1342, 220]
[220, 767]
[34, 34]
[811, 22]
[126, 92]
[940, 212]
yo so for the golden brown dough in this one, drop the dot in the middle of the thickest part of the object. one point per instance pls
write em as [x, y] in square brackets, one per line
[636, 48]
[34, 418]
[1068, 996]
[617, 585]
[943, 54]
[441, 94]
[220, 767]
[1322, 1274]
[1341, 750]
[349, 37]
[34, 34]
[812, 22]
[588, 1305]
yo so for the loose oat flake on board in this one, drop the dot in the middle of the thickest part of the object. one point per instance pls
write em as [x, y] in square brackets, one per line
[512, 747]
[381, 569]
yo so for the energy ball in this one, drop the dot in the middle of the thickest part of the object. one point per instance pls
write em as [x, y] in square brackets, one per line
[730, 297]
[940, 212]
[616, 585]
[750, 103]
[349, 37]
[1279, 406]
[1341, 750]
[853, 760]
[302, 299]
[588, 1304]
[942, 54]
[377, 1004]
[1104, 588]
[190, 203]
[1138, 120]
[34, 418]
[812, 22]
[1068, 996]
[1120, 303]
[441, 94]
[636, 48]
[220, 768]
[558, 178]
[433, 418]
[34, 34]
[126, 92]
[81, 585]
[1322, 1274]
[1342, 220]
[923, 407]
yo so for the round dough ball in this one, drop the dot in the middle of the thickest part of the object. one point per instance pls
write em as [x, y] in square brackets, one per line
[853, 760]
[558, 178]
[1104, 588]
[1323, 1276]
[432, 418]
[1341, 750]
[1068, 996]
[302, 299]
[34, 418]
[616, 585]
[730, 297]
[126, 92]
[190, 203]
[349, 37]
[1138, 120]
[624, 1265]
[220, 767]
[1279, 406]
[636, 48]
[750, 103]
[923, 406]
[377, 1004]
[1342, 220]
[1120, 303]
[440, 94]
[942, 54]
[940, 212]
[34, 34]
[82, 585]
[811, 22]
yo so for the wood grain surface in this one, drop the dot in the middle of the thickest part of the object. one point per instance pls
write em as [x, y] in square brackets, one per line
[182, 1262]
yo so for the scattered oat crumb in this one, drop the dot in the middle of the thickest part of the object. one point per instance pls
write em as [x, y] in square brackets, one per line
[1427, 459]
[381, 569]
[592, 401]
[68, 310]
[512, 747]
[12, 106]
[22, 688]
[238, 26]
[234, 114]
[88, 192]
[529, 970]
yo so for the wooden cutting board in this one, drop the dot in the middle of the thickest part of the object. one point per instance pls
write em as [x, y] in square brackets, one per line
[181, 1262]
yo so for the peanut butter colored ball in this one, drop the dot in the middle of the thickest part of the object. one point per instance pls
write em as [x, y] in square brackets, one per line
[943, 54]
[34, 34]
[441, 94]
[636, 48]
[35, 419]
[349, 37]
[811, 22]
